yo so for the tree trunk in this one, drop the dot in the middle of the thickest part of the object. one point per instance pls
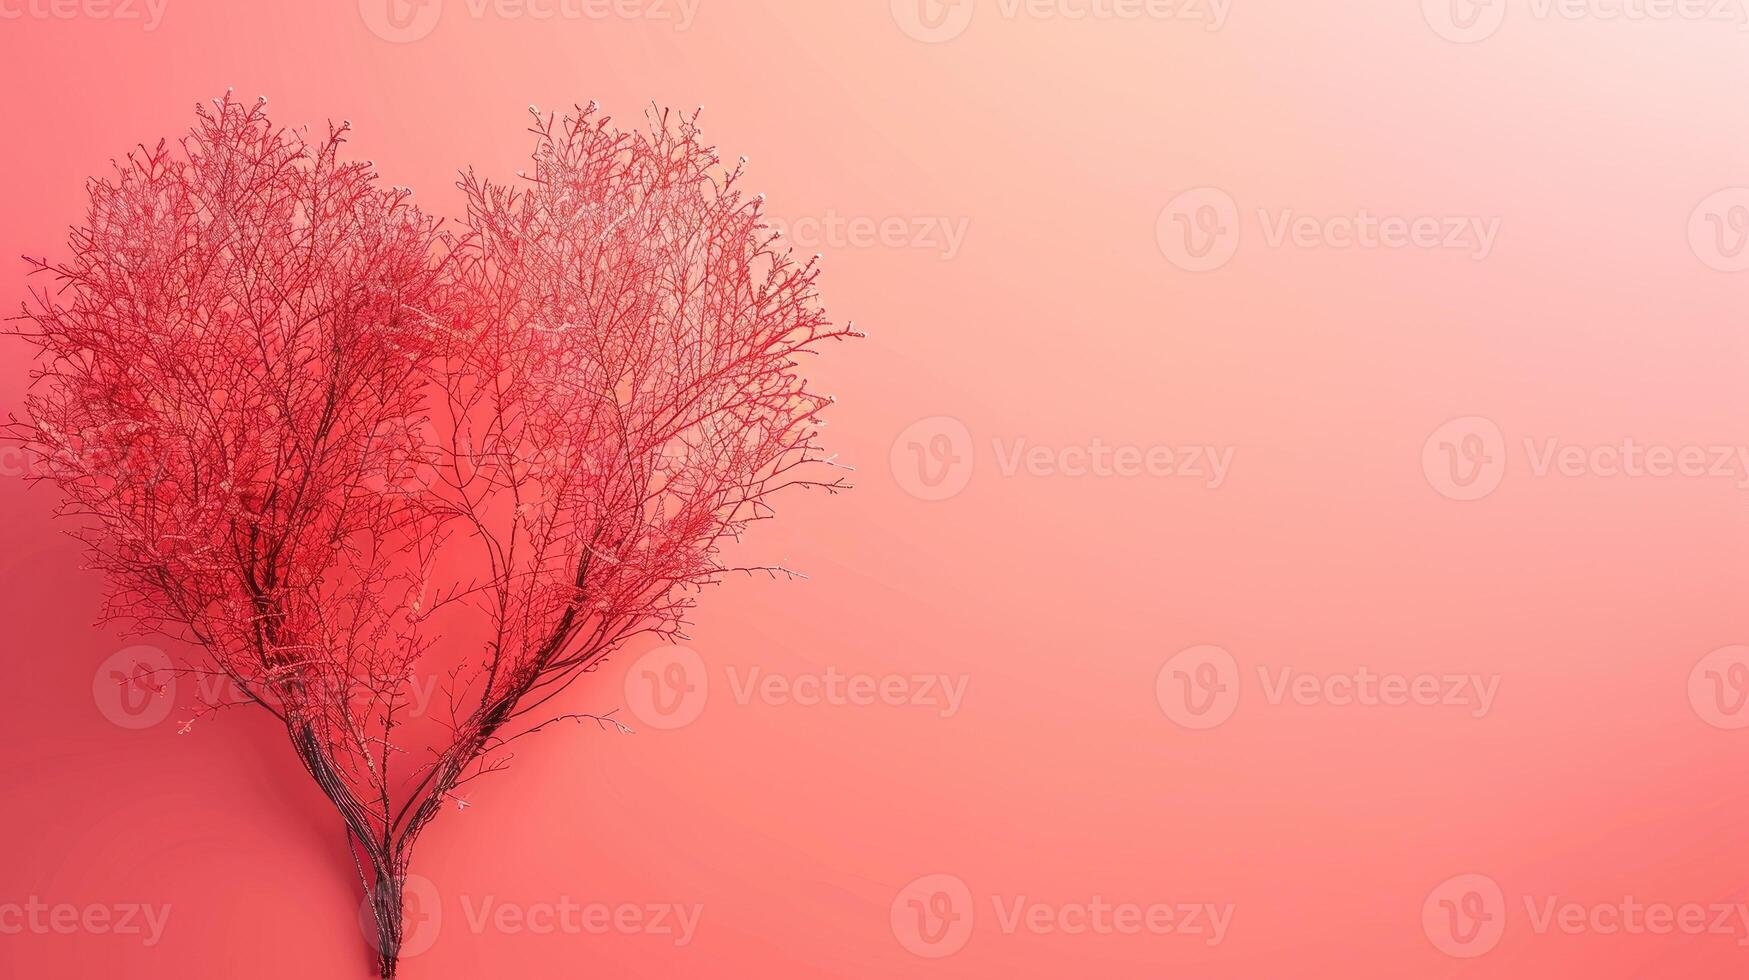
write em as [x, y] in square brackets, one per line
[386, 899]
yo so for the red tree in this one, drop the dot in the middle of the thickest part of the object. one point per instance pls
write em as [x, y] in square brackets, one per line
[336, 449]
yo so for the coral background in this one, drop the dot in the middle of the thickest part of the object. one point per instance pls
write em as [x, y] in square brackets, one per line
[1598, 774]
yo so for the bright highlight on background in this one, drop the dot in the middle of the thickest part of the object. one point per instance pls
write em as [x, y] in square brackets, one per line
[1302, 466]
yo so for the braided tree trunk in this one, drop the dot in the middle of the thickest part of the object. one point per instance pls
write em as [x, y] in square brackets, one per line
[386, 899]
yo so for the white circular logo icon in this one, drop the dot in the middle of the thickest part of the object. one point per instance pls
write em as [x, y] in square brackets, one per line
[1464, 916]
[932, 917]
[933, 21]
[1199, 230]
[933, 458]
[1199, 687]
[400, 21]
[1464, 21]
[402, 459]
[1718, 230]
[421, 916]
[1718, 687]
[1465, 459]
[135, 687]
[667, 687]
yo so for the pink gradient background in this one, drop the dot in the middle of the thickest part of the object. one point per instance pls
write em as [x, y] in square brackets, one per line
[1059, 599]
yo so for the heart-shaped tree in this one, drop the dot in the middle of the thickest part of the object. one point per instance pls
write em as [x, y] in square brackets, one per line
[337, 450]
